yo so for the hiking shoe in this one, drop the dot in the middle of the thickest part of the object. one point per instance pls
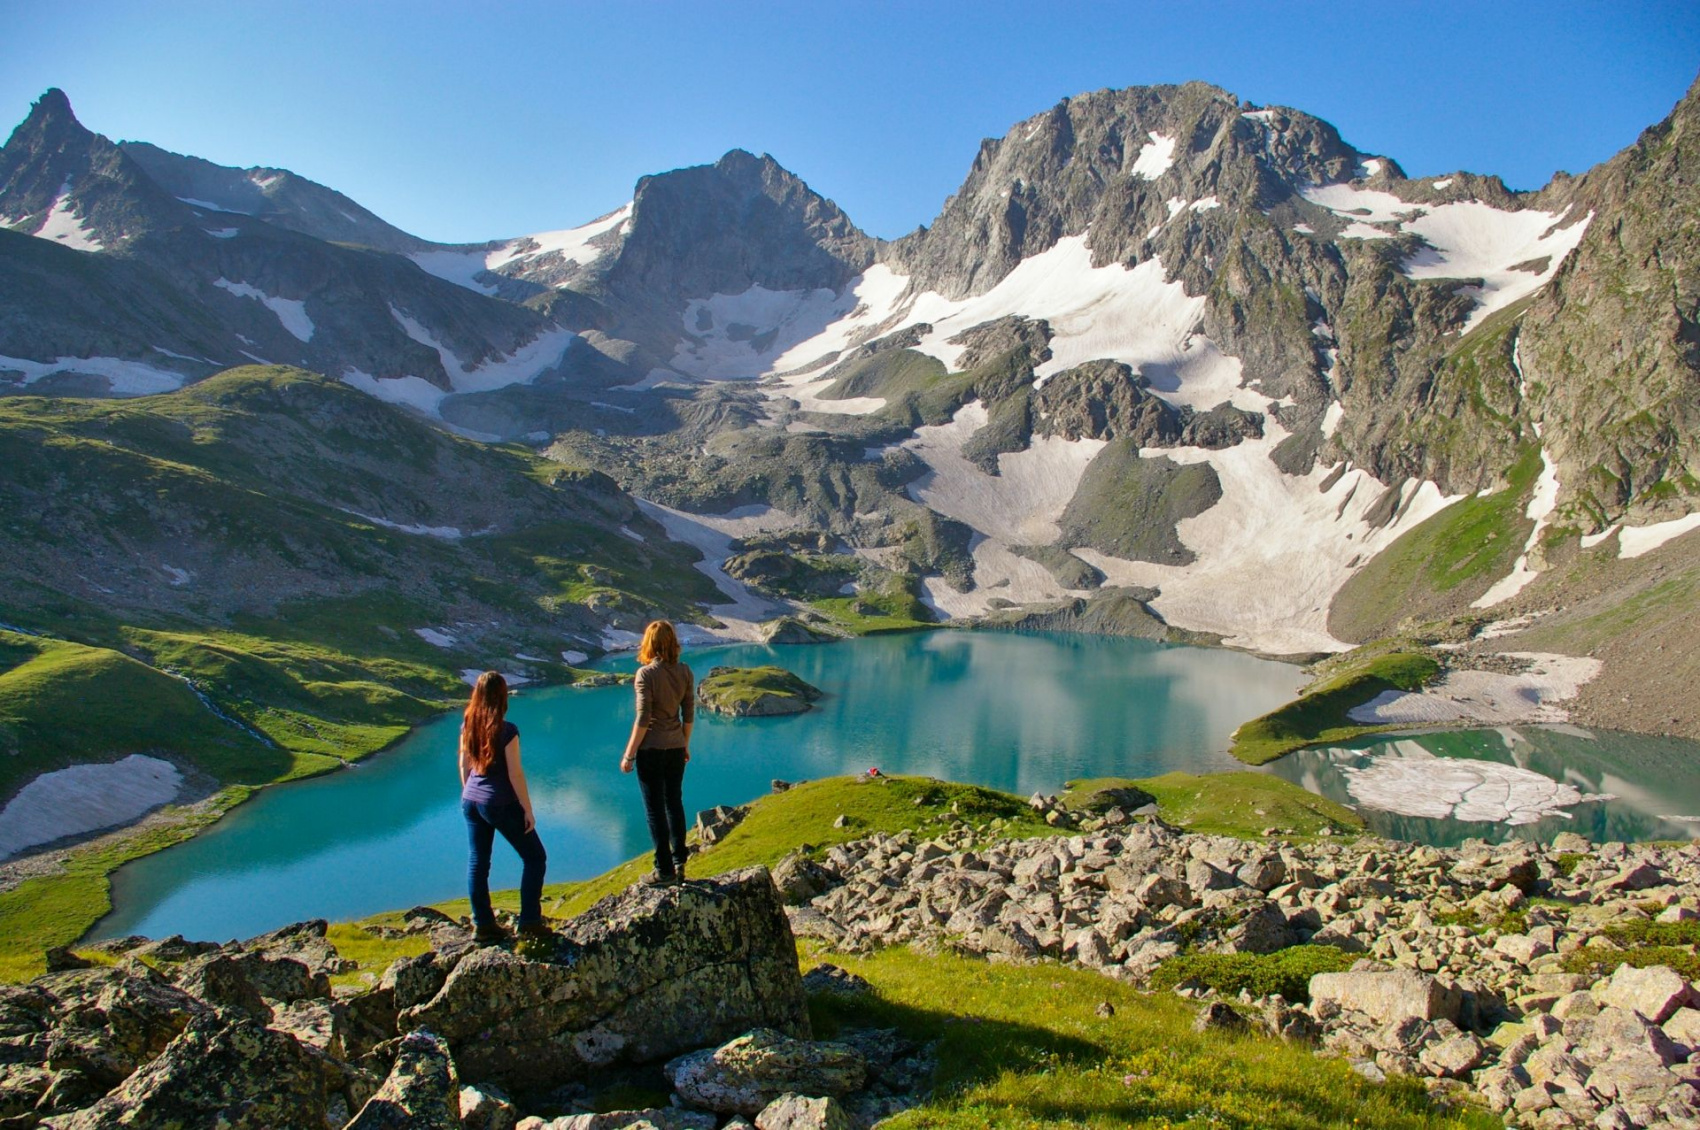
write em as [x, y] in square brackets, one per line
[536, 930]
[491, 935]
[661, 879]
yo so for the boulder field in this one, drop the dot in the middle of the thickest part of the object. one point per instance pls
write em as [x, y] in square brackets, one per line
[1481, 969]
[1545, 982]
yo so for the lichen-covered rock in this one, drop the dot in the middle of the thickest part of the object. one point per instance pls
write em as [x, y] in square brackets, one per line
[800, 1112]
[485, 1107]
[421, 1092]
[746, 1074]
[105, 1023]
[799, 878]
[227, 1072]
[641, 976]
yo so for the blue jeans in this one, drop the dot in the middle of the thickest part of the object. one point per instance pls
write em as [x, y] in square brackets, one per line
[661, 777]
[483, 821]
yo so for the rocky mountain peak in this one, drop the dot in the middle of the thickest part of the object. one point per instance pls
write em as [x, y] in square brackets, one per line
[743, 221]
[63, 182]
[1119, 164]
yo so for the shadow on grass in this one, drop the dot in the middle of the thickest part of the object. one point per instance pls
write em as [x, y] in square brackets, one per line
[1130, 1070]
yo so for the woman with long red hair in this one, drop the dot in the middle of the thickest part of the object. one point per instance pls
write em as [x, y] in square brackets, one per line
[494, 798]
[661, 744]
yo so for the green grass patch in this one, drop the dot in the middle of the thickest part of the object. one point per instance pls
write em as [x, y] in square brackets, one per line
[1287, 972]
[1442, 564]
[1319, 713]
[49, 911]
[1243, 804]
[1023, 1046]
[869, 614]
[67, 703]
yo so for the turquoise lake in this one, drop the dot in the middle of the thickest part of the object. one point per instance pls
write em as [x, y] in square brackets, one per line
[1023, 712]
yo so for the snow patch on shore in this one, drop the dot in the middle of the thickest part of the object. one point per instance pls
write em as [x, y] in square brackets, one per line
[1487, 697]
[712, 535]
[86, 798]
[1411, 781]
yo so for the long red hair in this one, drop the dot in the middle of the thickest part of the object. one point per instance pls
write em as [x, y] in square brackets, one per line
[481, 725]
[660, 643]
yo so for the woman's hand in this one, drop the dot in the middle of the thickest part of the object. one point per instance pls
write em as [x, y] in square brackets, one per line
[687, 753]
[627, 763]
[530, 820]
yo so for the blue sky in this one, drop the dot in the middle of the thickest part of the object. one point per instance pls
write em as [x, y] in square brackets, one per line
[473, 121]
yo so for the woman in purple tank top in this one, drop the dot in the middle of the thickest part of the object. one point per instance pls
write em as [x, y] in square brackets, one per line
[494, 798]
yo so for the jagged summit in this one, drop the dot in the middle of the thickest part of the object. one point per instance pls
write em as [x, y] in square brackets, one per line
[743, 221]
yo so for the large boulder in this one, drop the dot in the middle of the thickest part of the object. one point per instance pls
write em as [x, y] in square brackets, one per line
[1388, 996]
[641, 976]
[1656, 992]
[231, 1073]
[421, 1092]
[746, 1074]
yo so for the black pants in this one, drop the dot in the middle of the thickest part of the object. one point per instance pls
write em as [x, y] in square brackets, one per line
[661, 776]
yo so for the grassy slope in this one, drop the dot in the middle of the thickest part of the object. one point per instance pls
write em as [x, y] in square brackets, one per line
[1229, 804]
[1437, 568]
[1024, 1045]
[297, 624]
[1319, 714]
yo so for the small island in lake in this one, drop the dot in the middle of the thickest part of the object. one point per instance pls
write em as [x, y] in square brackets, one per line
[755, 692]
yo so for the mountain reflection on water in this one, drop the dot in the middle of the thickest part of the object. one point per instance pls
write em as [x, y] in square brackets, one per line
[1527, 782]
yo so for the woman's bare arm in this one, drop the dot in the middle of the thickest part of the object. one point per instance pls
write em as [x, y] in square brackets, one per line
[516, 775]
[629, 758]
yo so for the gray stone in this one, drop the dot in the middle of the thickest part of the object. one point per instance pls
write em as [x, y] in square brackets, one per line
[1454, 1058]
[797, 1112]
[485, 1107]
[799, 878]
[1388, 995]
[746, 1074]
[652, 1118]
[1218, 1017]
[641, 976]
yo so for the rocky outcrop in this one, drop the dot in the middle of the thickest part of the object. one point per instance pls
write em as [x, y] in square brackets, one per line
[421, 1092]
[641, 976]
[228, 1072]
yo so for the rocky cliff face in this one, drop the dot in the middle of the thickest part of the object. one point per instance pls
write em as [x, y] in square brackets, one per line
[1610, 350]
